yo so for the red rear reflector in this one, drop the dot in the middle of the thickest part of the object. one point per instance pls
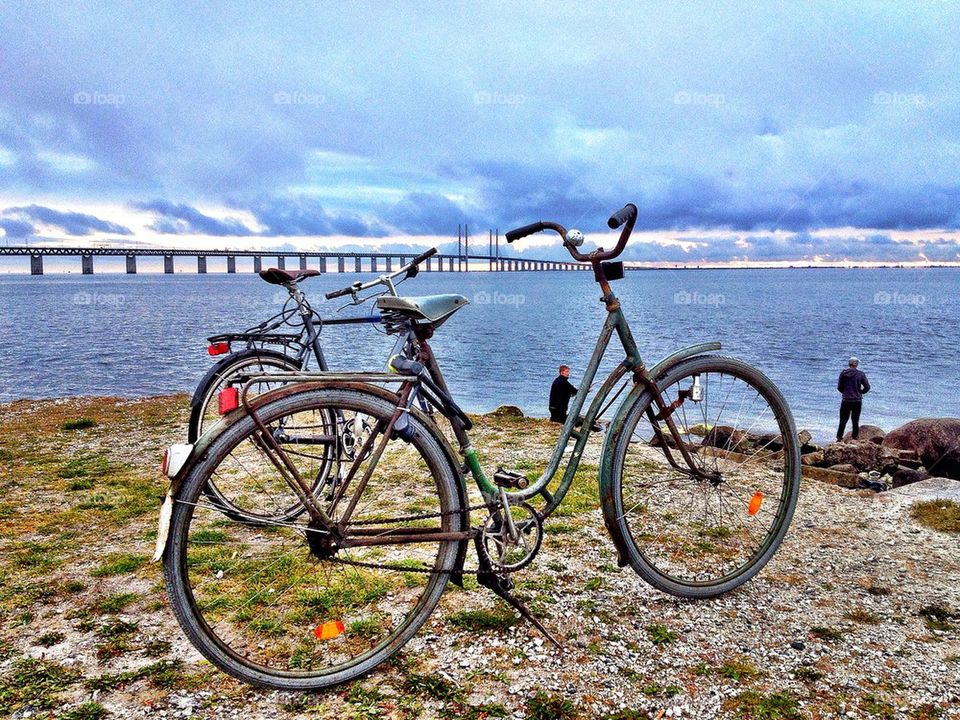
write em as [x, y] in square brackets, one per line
[755, 502]
[218, 348]
[166, 459]
[229, 400]
[328, 630]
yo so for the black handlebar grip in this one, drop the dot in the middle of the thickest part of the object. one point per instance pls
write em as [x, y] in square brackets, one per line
[423, 256]
[629, 211]
[524, 231]
[339, 293]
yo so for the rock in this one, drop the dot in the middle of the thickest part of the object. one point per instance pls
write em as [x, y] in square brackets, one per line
[936, 441]
[724, 436]
[862, 454]
[798, 645]
[907, 476]
[804, 437]
[870, 433]
[844, 468]
[508, 411]
[769, 441]
[814, 458]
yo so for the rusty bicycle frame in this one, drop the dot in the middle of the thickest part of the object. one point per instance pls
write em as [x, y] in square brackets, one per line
[423, 378]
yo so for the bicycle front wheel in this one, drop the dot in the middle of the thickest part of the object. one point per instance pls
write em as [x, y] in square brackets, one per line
[288, 606]
[701, 534]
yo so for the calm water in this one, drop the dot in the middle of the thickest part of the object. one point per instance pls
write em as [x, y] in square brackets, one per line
[145, 335]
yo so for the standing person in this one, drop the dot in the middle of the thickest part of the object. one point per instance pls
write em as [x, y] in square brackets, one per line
[853, 385]
[560, 393]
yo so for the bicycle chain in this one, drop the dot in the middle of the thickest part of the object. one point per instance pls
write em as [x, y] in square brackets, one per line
[423, 571]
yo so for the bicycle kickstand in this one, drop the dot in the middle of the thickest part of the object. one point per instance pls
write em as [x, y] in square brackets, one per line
[502, 585]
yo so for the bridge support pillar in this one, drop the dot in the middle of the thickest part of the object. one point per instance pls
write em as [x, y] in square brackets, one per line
[231, 264]
[389, 264]
[86, 264]
[340, 264]
[428, 266]
[36, 264]
[449, 265]
[373, 264]
[356, 265]
[168, 264]
[257, 263]
[303, 262]
[131, 264]
[322, 264]
[403, 261]
[281, 262]
[201, 264]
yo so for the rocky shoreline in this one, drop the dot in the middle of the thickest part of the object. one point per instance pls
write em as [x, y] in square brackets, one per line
[857, 616]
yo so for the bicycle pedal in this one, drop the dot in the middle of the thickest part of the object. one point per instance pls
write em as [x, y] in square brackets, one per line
[510, 479]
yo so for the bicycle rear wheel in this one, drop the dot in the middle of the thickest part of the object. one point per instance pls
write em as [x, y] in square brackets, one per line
[701, 536]
[285, 605]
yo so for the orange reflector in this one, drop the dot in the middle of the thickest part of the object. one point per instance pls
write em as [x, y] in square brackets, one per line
[755, 502]
[328, 630]
[228, 400]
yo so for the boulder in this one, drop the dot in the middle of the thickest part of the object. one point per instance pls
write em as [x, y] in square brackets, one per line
[936, 441]
[804, 437]
[768, 441]
[508, 411]
[844, 468]
[862, 454]
[868, 432]
[814, 458]
[724, 436]
[907, 476]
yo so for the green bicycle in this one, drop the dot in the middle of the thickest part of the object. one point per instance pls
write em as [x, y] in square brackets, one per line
[699, 477]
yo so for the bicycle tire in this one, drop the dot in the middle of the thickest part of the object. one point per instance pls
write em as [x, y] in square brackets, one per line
[177, 559]
[627, 535]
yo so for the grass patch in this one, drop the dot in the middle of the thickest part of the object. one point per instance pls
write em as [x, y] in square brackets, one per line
[483, 619]
[938, 617]
[115, 603]
[84, 466]
[549, 707]
[862, 615]
[826, 633]
[738, 669]
[877, 707]
[807, 674]
[120, 564]
[942, 515]
[82, 423]
[163, 674]
[35, 684]
[89, 710]
[49, 639]
[758, 706]
[660, 634]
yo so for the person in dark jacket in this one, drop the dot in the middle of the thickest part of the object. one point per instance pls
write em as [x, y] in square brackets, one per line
[560, 393]
[853, 385]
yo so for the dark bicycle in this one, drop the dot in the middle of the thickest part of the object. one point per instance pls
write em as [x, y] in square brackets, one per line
[699, 478]
[284, 343]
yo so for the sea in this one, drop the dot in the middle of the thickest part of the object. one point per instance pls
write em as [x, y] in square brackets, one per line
[141, 335]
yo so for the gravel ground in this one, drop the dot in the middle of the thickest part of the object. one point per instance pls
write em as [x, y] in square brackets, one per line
[856, 616]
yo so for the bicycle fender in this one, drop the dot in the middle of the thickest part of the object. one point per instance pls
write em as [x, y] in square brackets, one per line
[638, 393]
[218, 366]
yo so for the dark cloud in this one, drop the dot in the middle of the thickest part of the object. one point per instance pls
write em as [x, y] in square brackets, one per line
[72, 223]
[181, 219]
[293, 216]
[426, 214]
[16, 228]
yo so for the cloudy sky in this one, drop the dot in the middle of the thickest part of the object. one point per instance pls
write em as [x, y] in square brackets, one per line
[813, 132]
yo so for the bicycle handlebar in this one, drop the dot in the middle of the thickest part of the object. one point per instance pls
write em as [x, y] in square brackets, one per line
[359, 286]
[626, 217]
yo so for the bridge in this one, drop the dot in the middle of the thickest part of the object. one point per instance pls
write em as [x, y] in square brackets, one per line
[322, 261]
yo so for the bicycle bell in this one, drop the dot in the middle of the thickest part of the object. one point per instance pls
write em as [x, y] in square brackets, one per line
[575, 237]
